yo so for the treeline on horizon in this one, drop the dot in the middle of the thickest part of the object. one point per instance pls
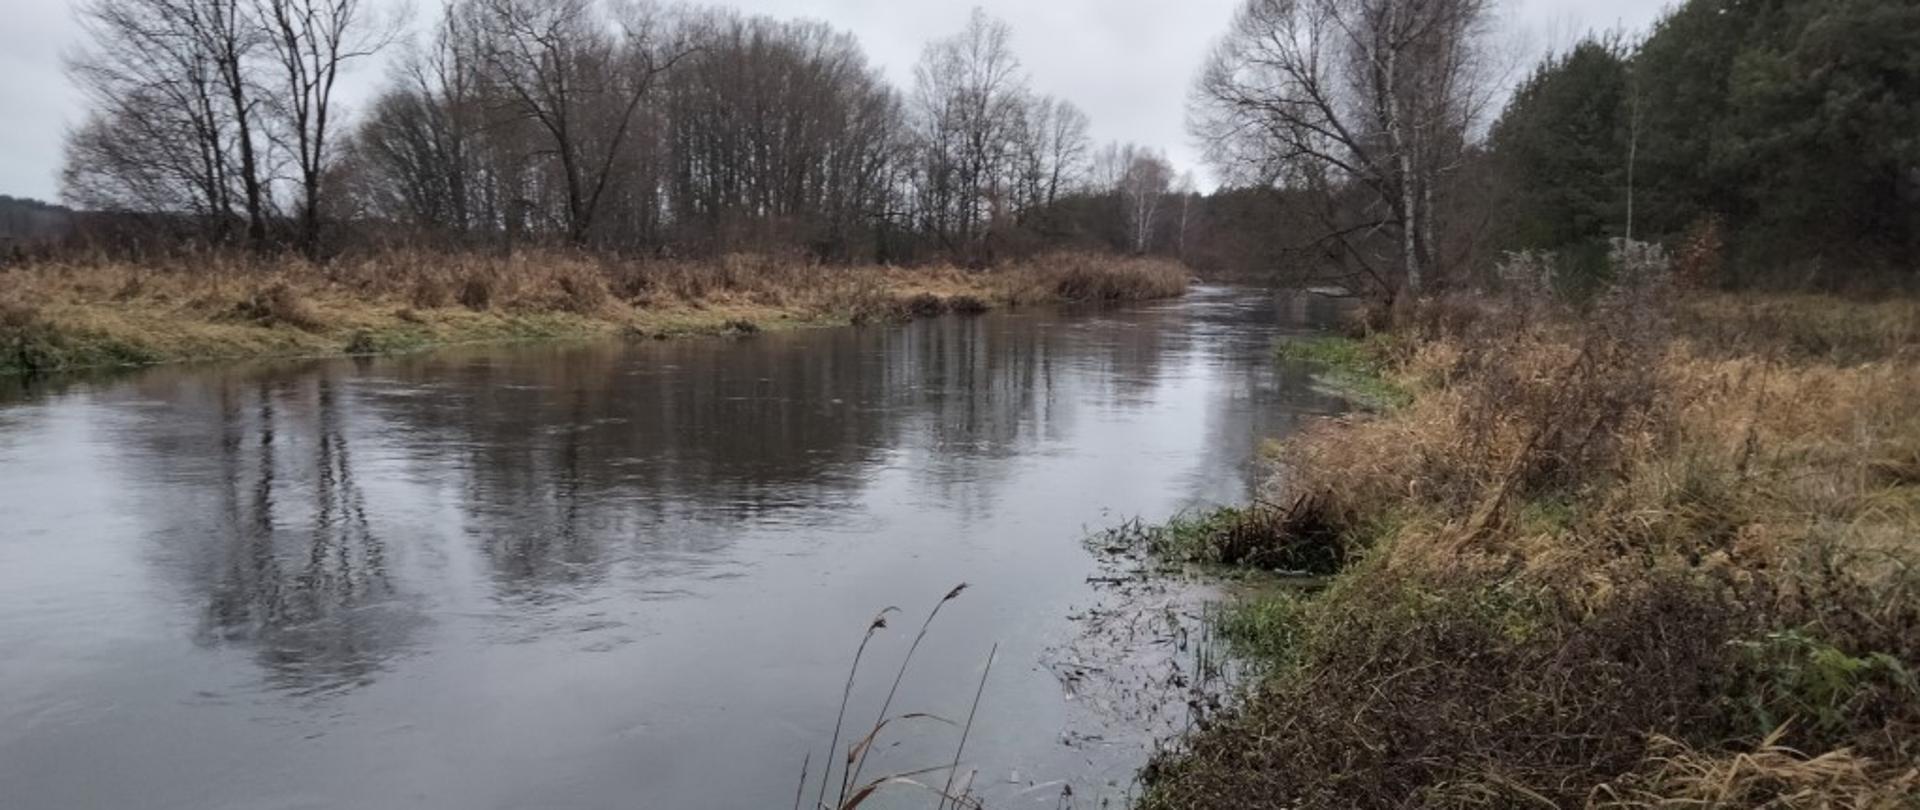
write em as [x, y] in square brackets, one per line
[1784, 134]
[614, 127]
[1773, 141]
[1761, 142]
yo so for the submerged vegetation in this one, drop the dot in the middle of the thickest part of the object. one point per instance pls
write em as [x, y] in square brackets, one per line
[1654, 550]
[73, 314]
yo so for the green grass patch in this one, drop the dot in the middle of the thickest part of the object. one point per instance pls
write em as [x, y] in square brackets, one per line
[1298, 540]
[40, 348]
[1192, 536]
[1265, 624]
[1792, 676]
[1355, 369]
[1546, 515]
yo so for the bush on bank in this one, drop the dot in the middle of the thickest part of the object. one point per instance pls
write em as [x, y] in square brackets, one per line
[1658, 551]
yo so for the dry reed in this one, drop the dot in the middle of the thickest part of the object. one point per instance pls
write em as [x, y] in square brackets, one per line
[851, 792]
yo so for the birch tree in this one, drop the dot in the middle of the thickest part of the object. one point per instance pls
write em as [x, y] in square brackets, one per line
[968, 92]
[1337, 95]
[1143, 184]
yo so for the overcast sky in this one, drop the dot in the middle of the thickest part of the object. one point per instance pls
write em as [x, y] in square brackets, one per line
[1128, 63]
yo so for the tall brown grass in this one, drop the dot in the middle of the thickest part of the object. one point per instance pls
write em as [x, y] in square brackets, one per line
[224, 304]
[1659, 551]
[1084, 277]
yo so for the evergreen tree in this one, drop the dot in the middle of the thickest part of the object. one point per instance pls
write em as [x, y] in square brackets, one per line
[1794, 122]
[1563, 147]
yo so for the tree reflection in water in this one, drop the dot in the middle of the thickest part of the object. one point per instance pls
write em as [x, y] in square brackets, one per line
[302, 576]
[634, 556]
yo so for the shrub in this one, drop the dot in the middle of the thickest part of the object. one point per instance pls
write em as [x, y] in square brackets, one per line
[476, 293]
[27, 343]
[1699, 261]
[582, 289]
[278, 304]
[1791, 677]
[1602, 557]
[1441, 689]
[964, 304]
[362, 342]
[1098, 278]
[1298, 539]
[432, 291]
[924, 305]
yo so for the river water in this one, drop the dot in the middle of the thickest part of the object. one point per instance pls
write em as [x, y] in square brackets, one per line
[595, 576]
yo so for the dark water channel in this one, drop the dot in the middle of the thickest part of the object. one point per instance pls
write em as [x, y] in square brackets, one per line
[619, 575]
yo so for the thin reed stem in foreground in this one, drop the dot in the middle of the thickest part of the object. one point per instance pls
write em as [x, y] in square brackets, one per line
[881, 719]
[966, 730]
[879, 623]
[800, 791]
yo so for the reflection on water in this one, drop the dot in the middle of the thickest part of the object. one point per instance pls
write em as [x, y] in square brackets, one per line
[593, 576]
[293, 568]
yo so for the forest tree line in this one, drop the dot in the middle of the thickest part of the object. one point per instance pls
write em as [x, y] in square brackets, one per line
[1786, 133]
[1372, 143]
[1763, 141]
[594, 124]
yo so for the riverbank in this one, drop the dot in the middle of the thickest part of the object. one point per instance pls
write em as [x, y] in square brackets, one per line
[1659, 552]
[61, 315]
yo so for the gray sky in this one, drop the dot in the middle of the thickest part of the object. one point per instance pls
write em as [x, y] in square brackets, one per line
[1128, 63]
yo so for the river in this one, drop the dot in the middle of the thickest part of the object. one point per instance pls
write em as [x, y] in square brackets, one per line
[594, 576]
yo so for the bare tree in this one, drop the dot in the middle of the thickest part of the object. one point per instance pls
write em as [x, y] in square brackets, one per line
[1329, 95]
[1050, 150]
[601, 122]
[233, 37]
[416, 155]
[311, 41]
[171, 126]
[776, 130]
[581, 78]
[968, 93]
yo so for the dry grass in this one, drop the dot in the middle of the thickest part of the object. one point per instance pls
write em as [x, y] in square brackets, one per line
[1771, 777]
[80, 312]
[1085, 277]
[1802, 327]
[1600, 558]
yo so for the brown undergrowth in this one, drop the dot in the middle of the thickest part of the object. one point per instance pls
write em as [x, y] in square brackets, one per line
[1657, 551]
[90, 312]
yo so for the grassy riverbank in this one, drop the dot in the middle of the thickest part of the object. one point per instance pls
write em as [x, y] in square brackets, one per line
[63, 315]
[1656, 553]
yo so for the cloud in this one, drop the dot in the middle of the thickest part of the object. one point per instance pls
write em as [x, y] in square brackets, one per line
[36, 102]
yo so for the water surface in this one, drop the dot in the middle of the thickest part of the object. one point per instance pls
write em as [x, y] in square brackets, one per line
[613, 575]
